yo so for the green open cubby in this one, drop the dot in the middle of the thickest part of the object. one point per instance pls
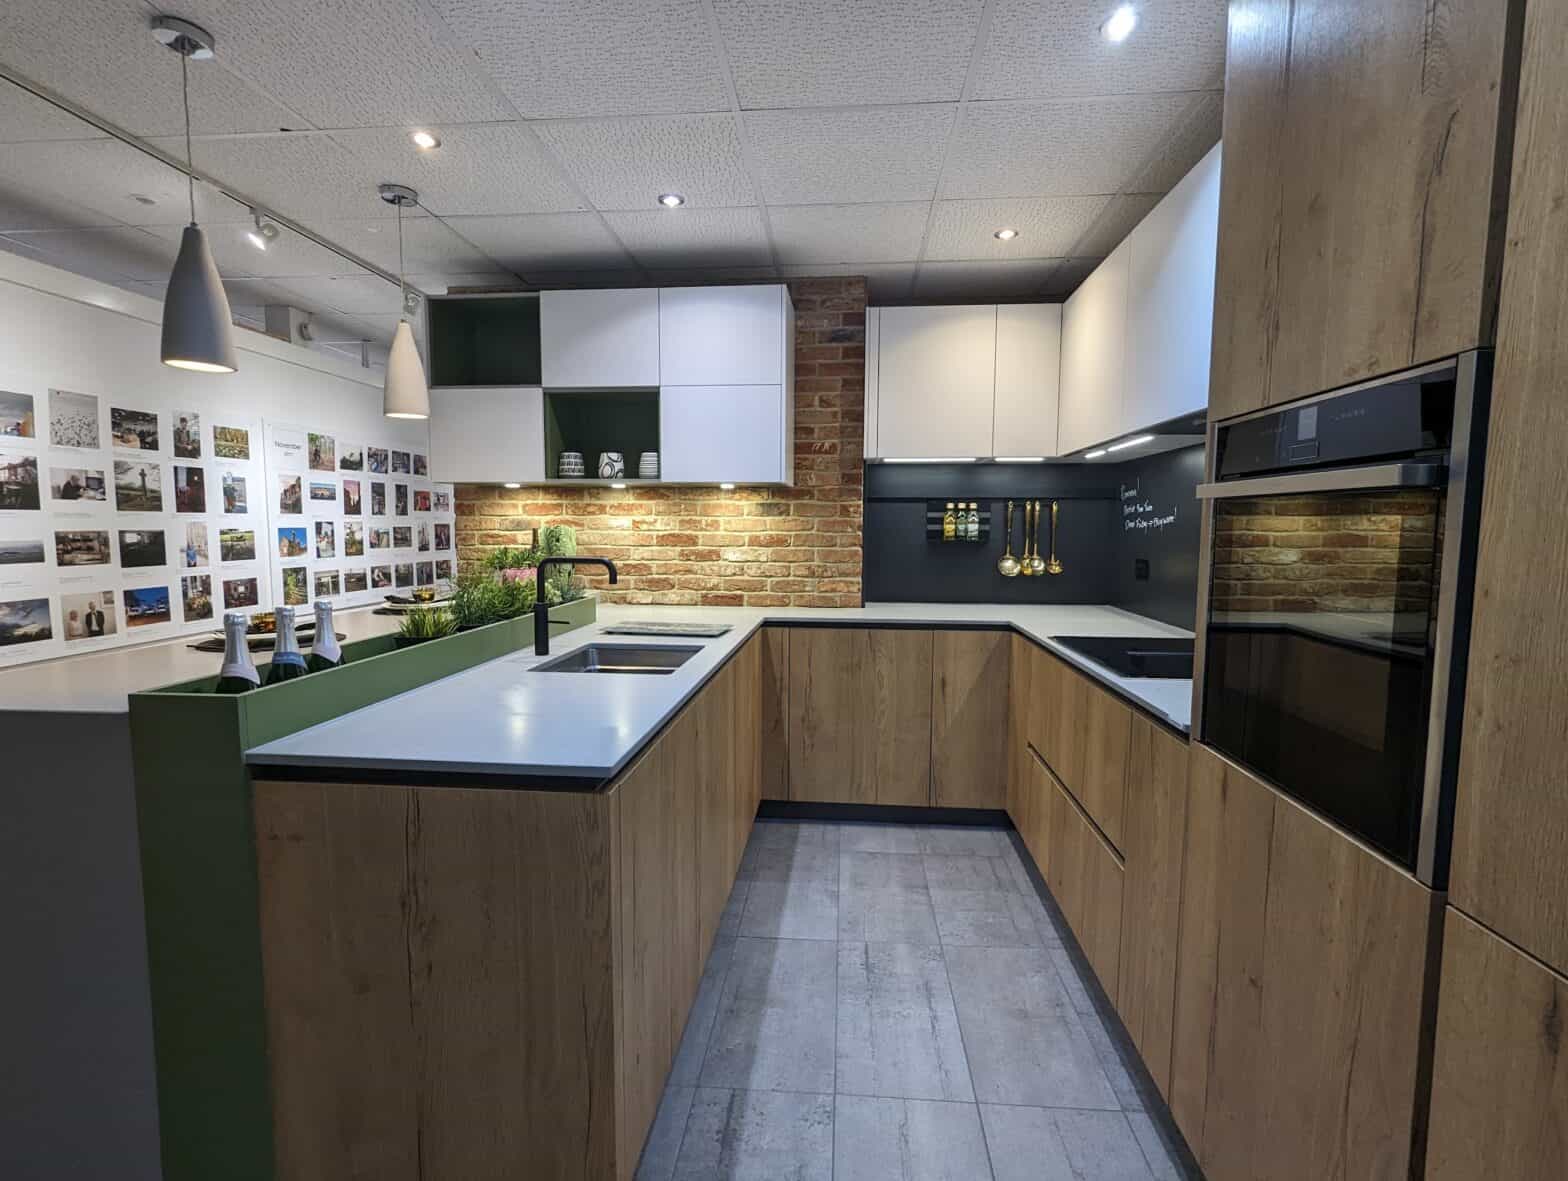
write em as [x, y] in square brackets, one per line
[484, 340]
[591, 421]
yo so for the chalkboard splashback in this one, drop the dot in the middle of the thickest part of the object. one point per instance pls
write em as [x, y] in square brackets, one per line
[1127, 534]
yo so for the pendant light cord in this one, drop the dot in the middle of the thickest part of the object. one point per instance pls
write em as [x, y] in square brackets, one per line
[190, 162]
[402, 283]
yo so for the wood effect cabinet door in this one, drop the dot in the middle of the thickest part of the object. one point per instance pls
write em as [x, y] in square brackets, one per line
[1082, 733]
[774, 661]
[969, 750]
[1511, 812]
[860, 715]
[748, 744]
[1155, 831]
[1086, 879]
[1094, 345]
[1020, 664]
[1500, 1070]
[1028, 378]
[935, 381]
[717, 854]
[1361, 222]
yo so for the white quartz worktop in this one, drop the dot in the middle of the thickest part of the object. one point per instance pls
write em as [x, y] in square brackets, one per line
[500, 718]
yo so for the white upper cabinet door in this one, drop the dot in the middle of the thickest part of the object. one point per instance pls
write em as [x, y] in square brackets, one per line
[1028, 374]
[1094, 345]
[1170, 303]
[599, 339]
[487, 435]
[936, 377]
[731, 433]
[722, 335]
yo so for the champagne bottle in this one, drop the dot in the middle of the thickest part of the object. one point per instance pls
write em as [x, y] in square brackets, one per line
[949, 523]
[324, 650]
[287, 660]
[238, 674]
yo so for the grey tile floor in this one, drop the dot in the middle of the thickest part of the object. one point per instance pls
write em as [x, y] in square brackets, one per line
[896, 1001]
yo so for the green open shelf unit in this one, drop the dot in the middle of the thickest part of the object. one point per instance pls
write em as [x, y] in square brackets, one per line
[593, 421]
[198, 854]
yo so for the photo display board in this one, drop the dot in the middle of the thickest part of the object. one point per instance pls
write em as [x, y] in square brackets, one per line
[128, 518]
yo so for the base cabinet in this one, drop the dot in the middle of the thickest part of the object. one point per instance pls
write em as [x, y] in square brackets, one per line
[773, 655]
[969, 689]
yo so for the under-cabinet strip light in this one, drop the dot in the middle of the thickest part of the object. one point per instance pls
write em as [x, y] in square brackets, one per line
[1019, 459]
[933, 459]
[1094, 454]
[1135, 441]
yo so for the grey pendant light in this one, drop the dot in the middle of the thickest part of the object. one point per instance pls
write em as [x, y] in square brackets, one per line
[406, 393]
[198, 332]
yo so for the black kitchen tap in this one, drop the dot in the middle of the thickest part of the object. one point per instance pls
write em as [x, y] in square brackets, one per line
[542, 609]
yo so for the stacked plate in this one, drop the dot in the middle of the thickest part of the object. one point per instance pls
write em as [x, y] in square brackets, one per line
[648, 465]
[570, 465]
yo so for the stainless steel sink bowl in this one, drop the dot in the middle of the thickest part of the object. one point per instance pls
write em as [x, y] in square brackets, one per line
[646, 659]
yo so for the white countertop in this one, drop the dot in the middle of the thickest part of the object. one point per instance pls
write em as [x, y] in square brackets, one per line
[102, 682]
[499, 718]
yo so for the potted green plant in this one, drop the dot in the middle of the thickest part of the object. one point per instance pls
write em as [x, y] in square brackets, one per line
[431, 623]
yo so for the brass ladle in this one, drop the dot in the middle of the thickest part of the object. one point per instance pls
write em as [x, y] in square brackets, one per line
[1026, 563]
[1036, 563]
[1054, 566]
[1007, 565]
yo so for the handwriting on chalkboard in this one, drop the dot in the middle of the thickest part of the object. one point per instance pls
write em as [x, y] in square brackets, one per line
[1139, 514]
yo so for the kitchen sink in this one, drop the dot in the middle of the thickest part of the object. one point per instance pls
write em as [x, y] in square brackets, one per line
[646, 659]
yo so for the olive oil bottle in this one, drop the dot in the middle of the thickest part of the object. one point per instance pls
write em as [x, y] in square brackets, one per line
[238, 674]
[288, 662]
[949, 523]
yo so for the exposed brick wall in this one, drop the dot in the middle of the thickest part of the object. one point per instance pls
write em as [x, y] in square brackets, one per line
[1325, 553]
[761, 547]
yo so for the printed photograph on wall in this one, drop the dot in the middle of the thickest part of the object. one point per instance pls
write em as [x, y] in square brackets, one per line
[142, 547]
[291, 497]
[86, 547]
[403, 574]
[146, 605]
[24, 621]
[421, 500]
[237, 545]
[196, 597]
[320, 491]
[354, 581]
[18, 481]
[231, 442]
[443, 536]
[378, 498]
[353, 539]
[326, 540]
[23, 551]
[425, 574]
[296, 586]
[16, 415]
[351, 506]
[194, 551]
[444, 570]
[323, 452]
[352, 459]
[138, 486]
[403, 536]
[293, 541]
[380, 537]
[135, 430]
[77, 483]
[73, 420]
[89, 616]
[240, 592]
[424, 538]
[376, 457]
[235, 501]
[190, 490]
[400, 496]
[380, 577]
[187, 434]
[326, 583]
[400, 462]
[443, 502]
[421, 467]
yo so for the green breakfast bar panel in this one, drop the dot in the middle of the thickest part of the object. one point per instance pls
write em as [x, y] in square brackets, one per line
[198, 857]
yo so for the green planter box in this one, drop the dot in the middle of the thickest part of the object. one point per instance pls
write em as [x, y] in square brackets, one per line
[193, 805]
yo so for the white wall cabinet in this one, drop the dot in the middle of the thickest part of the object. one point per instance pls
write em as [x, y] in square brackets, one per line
[1094, 351]
[599, 339]
[936, 379]
[487, 434]
[1028, 376]
[1170, 301]
[724, 335]
[742, 434]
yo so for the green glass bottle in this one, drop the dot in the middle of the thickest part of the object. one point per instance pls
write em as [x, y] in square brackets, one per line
[324, 650]
[238, 674]
[287, 660]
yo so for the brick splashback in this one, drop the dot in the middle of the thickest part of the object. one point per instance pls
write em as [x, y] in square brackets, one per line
[755, 547]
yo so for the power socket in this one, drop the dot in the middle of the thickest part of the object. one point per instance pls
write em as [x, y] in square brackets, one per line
[1140, 569]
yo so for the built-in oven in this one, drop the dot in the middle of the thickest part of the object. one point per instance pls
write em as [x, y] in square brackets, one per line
[1336, 598]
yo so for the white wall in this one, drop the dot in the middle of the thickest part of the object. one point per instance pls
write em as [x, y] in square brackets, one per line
[59, 331]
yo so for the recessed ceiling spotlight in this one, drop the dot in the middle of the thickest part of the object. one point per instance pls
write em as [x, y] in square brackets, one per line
[264, 232]
[1120, 24]
[425, 141]
[1006, 234]
[671, 200]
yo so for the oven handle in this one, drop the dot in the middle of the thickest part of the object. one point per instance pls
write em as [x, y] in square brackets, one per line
[1344, 479]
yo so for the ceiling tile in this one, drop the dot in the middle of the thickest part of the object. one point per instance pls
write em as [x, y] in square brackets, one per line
[106, 176]
[693, 237]
[130, 253]
[1055, 50]
[1066, 148]
[886, 282]
[553, 241]
[811, 53]
[25, 116]
[351, 63]
[1117, 219]
[1048, 227]
[1198, 130]
[629, 163]
[288, 254]
[826, 156]
[840, 233]
[32, 207]
[984, 282]
[1066, 278]
[430, 246]
[594, 57]
[303, 175]
[354, 294]
[101, 55]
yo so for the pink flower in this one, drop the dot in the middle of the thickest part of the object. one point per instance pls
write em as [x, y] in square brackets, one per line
[519, 574]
